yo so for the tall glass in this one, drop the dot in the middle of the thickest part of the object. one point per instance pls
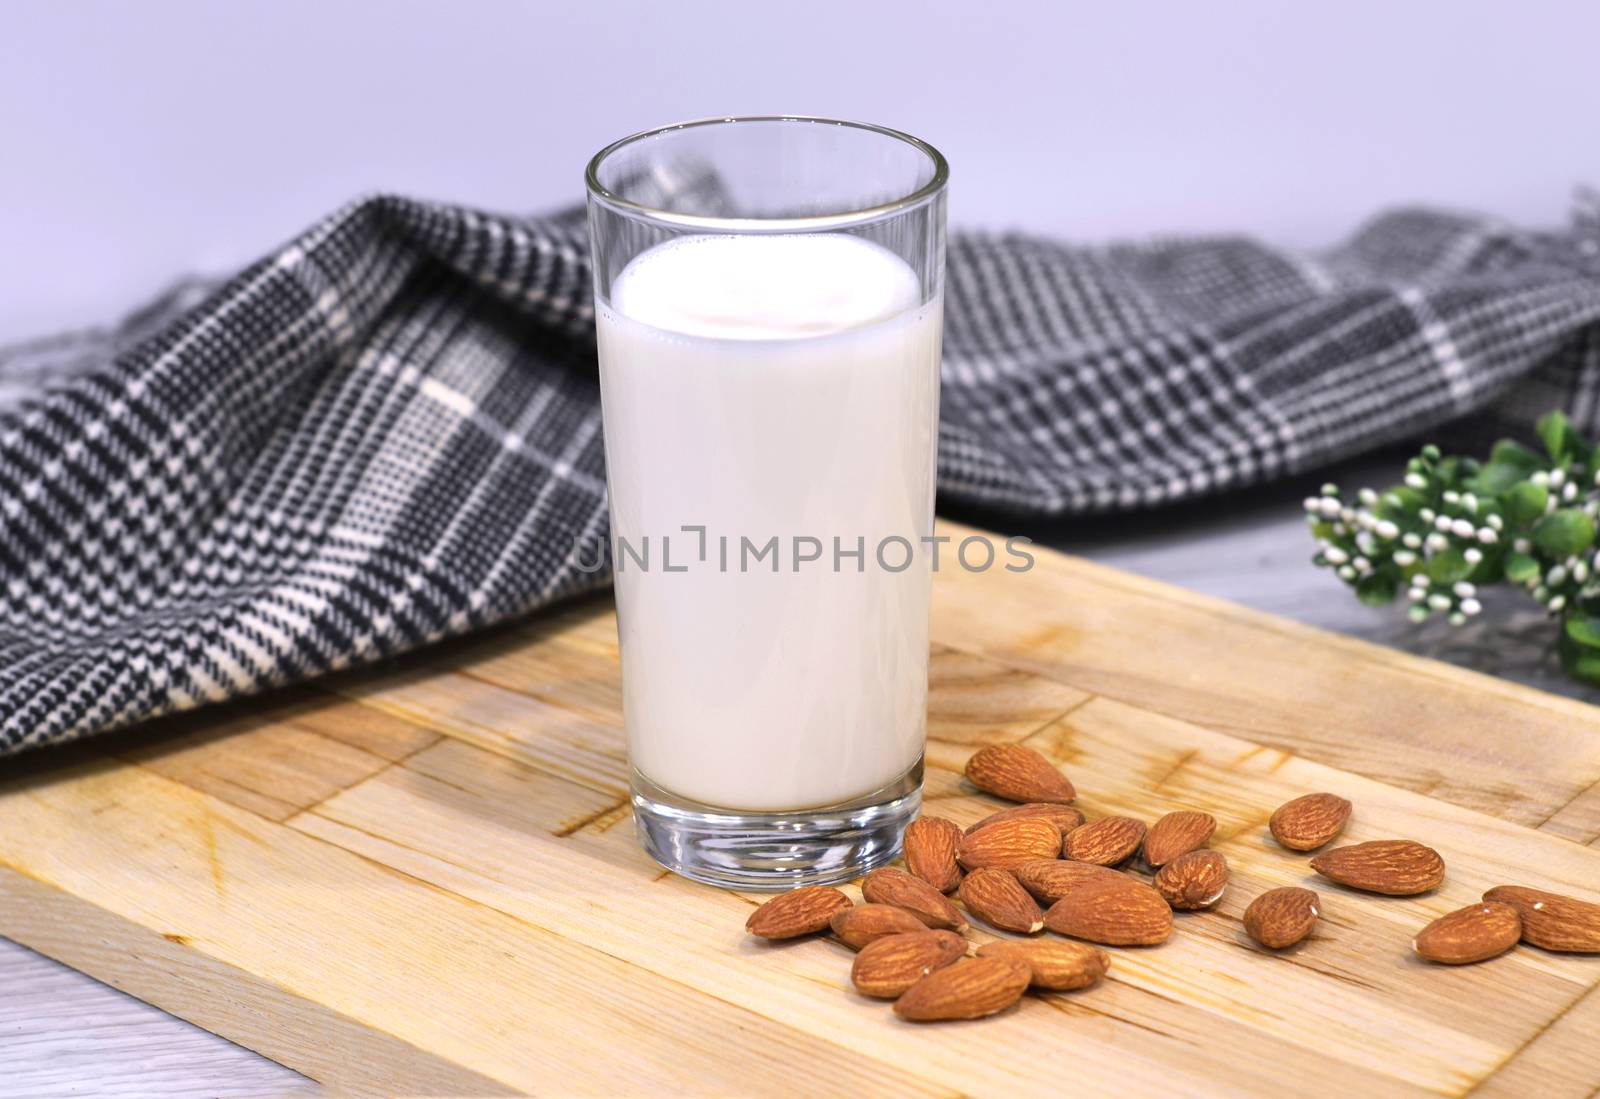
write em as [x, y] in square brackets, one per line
[768, 297]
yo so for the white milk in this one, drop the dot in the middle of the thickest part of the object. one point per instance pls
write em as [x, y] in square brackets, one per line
[764, 386]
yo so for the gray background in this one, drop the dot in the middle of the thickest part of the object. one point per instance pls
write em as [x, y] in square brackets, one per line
[139, 140]
[142, 141]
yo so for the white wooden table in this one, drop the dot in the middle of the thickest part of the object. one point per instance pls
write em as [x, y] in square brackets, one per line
[64, 1034]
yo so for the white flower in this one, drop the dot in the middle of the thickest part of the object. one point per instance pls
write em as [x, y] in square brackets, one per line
[1556, 576]
[1335, 555]
[1330, 507]
[1330, 489]
[1367, 497]
[1437, 542]
[1347, 573]
[1495, 522]
[1557, 603]
[1522, 545]
[1427, 515]
[1442, 524]
[1569, 492]
[1457, 619]
[1464, 589]
[1411, 540]
[1405, 558]
[1439, 602]
[1418, 613]
[1421, 580]
[1452, 497]
[1470, 606]
[1362, 565]
[1469, 501]
[1558, 477]
[1387, 529]
[1416, 481]
[1463, 529]
[1580, 571]
[1417, 595]
[1472, 555]
[1488, 537]
[1541, 478]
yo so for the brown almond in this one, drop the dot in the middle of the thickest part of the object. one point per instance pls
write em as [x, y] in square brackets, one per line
[802, 911]
[887, 967]
[1470, 934]
[1009, 843]
[1399, 868]
[1309, 822]
[867, 923]
[1050, 879]
[891, 885]
[998, 899]
[1551, 920]
[1177, 834]
[1116, 912]
[1056, 964]
[930, 852]
[1104, 842]
[1282, 917]
[1018, 773]
[1194, 880]
[969, 989]
[1066, 818]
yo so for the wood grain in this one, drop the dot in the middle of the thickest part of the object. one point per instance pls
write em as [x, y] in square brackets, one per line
[424, 878]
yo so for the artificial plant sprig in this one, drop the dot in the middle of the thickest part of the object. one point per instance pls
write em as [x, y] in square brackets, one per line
[1456, 525]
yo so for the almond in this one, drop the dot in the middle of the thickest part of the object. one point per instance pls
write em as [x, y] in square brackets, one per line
[1105, 842]
[1114, 911]
[998, 899]
[866, 923]
[1050, 879]
[1194, 880]
[1399, 868]
[1055, 963]
[1309, 822]
[1470, 934]
[1065, 816]
[969, 989]
[1282, 917]
[1177, 834]
[887, 967]
[1552, 921]
[930, 852]
[891, 885]
[1018, 773]
[802, 911]
[1009, 843]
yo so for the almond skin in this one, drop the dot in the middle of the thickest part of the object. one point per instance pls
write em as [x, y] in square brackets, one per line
[887, 967]
[1018, 773]
[1065, 816]
[1470, 934]
[1009, 843]
[1050, 879]
[891, 885]
[998, 899]
[867, 923]
[802, 911]
[930, 852]
[1398, 868]
[1056, 964]
[1282, 917]
[1309, 822]
[969, 989]
[1551, 920]
[1177, 834]
[1105, 842]
[1194, 880]
[1116, 912]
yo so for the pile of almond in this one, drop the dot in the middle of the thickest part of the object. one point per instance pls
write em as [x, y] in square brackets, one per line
[1040, 865]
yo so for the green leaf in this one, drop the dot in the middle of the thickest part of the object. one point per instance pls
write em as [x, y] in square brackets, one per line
[1447, 566]
[1520, 568]
[1561, 534]
[1509, 463]
[1581, 661]
[1556, 433]
[1584, 629]
[1378, 588]
[1400, 503]
[1524, 503]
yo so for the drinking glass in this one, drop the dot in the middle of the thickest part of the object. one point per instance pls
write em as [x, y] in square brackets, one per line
[768, 296]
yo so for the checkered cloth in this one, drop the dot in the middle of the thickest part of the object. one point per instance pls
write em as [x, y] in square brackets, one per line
[388, 431]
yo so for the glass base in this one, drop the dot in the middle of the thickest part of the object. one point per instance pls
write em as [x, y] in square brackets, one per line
[775, 851]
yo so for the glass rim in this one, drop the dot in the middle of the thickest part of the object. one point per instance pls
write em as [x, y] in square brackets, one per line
[806, 223]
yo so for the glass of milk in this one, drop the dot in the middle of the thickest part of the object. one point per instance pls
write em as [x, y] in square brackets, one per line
[768, 297]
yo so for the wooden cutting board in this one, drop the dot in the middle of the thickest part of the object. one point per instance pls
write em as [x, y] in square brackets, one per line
[424, 879]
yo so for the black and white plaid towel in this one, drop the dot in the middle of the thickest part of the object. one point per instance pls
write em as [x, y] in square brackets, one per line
[388, 431]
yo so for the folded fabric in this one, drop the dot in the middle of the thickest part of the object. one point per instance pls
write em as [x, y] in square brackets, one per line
[388, 431]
